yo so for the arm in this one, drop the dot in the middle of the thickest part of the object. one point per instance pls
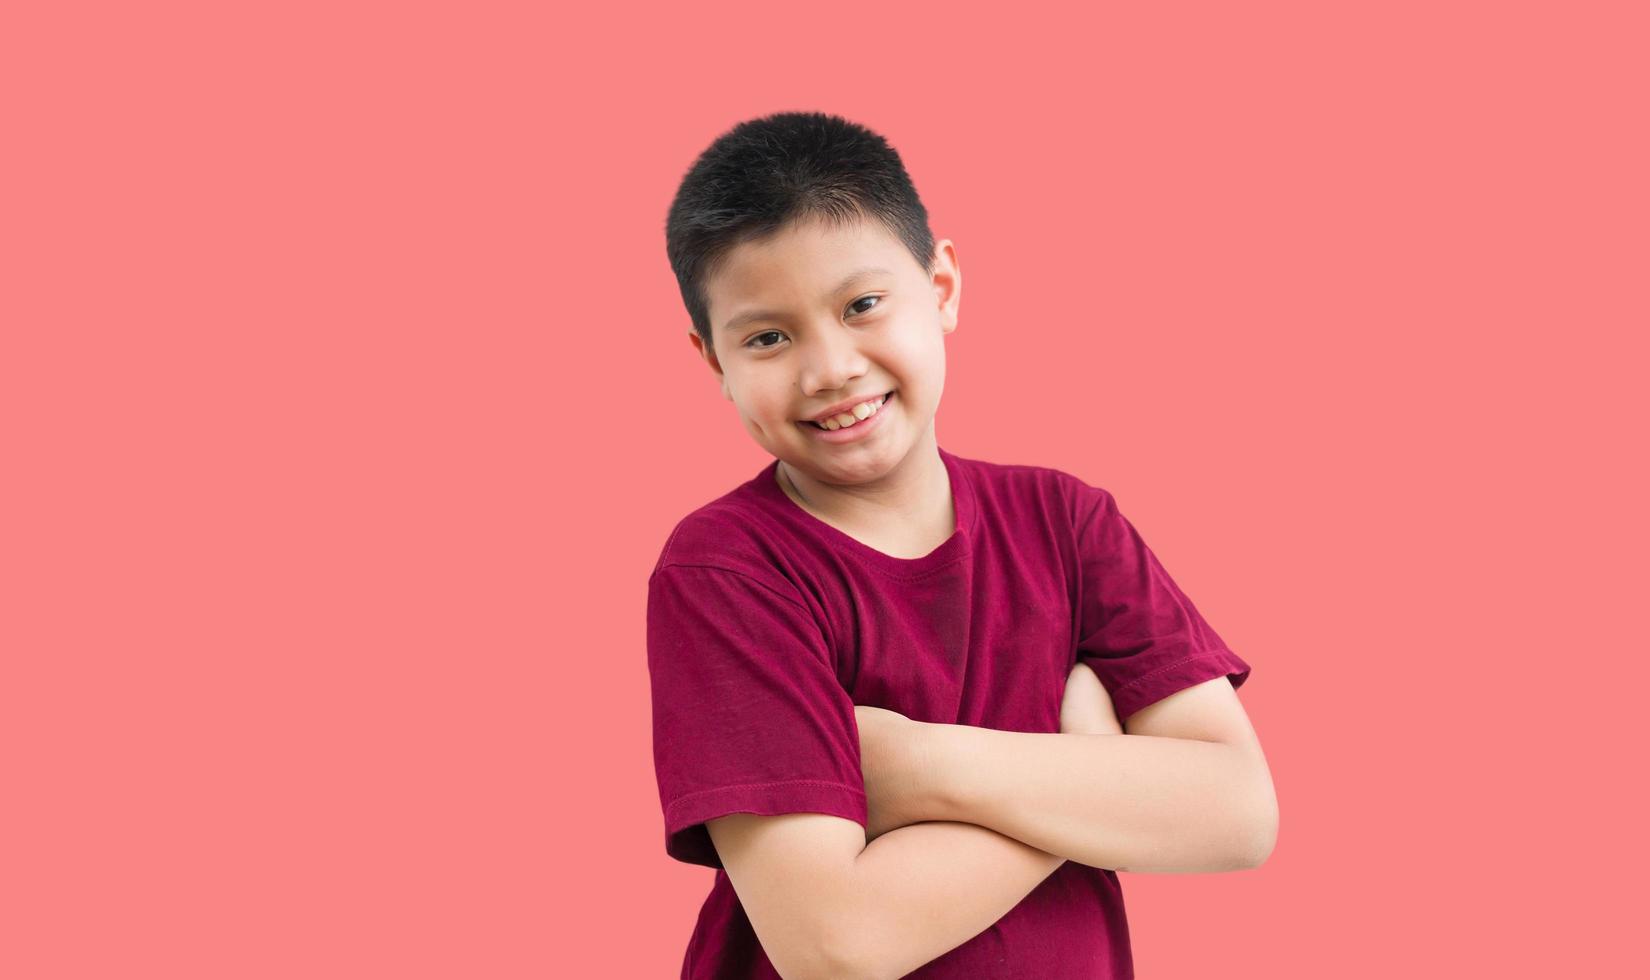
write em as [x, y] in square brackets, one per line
[1185, 789]
[825, 904]
[924, 889]
[828, 898]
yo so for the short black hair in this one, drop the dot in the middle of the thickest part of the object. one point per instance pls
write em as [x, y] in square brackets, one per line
[765, 173]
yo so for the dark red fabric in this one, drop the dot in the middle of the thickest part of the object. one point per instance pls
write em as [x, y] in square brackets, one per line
[765, 626]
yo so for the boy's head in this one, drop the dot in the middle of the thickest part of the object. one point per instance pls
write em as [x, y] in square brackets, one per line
[763, 235]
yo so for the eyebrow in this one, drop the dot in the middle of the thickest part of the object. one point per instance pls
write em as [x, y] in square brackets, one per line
[751, 316]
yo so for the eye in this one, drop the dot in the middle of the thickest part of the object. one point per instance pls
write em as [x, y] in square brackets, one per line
[861, 300]
[753, 345]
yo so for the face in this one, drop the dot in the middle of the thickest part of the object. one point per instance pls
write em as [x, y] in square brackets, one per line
[820, 314]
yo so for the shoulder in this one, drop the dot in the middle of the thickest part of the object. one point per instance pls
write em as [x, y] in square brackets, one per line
[719, 575]
[1047, 488]
[732, 533]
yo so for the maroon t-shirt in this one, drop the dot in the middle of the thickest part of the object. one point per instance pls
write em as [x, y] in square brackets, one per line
[765, 626]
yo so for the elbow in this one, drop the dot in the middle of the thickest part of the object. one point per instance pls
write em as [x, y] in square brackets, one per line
[1257, 832]
[1261, 833]
[847, 958]
[839, 965]
[1260, 848]
[851, 951]
[823, 962]
[824, 958]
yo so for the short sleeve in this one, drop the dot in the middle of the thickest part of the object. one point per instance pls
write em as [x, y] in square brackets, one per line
[748, 713]
[1141, 635]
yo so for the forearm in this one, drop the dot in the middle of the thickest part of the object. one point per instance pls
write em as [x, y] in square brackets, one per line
[1125, 802]
[924, 889]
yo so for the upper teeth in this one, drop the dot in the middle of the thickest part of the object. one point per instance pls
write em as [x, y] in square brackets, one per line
[852, 415]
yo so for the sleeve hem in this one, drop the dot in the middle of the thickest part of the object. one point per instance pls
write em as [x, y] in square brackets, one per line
[1160, 682]
[687, 839]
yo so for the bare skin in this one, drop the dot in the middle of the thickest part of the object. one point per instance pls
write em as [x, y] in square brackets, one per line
[893, 761]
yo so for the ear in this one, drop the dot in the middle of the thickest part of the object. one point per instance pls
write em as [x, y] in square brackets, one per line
[947, 283]
[709, 354]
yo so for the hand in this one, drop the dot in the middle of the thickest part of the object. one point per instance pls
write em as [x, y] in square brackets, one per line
[892, 760]
[1085, 707]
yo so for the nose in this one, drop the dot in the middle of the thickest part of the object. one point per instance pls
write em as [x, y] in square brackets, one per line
[832, 359]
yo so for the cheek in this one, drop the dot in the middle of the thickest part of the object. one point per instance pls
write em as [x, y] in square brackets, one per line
[767, 409]
[915, 347]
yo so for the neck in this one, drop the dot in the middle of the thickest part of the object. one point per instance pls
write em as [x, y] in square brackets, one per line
[915, 491]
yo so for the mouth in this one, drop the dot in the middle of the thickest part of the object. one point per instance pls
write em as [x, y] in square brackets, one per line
[886, 396]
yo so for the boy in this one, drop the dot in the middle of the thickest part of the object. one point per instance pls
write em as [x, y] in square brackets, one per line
[873, 705]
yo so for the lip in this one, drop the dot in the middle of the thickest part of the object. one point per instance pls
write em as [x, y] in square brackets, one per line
[859, 430]
[842, 407]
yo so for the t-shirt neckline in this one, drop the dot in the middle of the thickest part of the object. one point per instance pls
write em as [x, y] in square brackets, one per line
[954, 547]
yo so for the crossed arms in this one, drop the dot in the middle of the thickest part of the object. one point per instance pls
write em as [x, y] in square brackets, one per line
[965, 822]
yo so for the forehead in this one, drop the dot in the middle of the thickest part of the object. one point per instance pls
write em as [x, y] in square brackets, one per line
[800, 265]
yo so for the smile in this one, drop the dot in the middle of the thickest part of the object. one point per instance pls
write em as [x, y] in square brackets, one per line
[833, 431]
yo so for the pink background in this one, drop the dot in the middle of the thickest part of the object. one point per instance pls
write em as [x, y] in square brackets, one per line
[348, 401]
